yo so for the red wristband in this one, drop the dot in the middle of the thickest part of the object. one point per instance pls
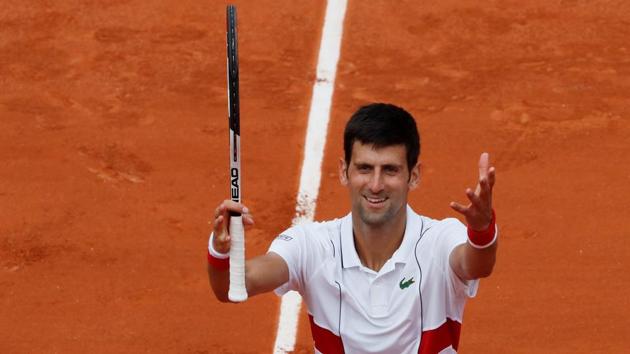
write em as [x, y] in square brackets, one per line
[483, 239]
[218, 263]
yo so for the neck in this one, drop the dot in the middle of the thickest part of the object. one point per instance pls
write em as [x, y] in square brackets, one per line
[376, 244]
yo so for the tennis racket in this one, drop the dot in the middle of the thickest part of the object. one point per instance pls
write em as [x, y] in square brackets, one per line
[237, 292]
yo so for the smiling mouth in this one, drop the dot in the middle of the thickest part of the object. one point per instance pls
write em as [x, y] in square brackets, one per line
[375, 201]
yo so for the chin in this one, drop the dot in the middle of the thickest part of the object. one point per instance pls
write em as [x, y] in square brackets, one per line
[374, 219]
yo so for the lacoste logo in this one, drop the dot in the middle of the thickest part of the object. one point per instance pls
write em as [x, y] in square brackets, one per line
[405, 284]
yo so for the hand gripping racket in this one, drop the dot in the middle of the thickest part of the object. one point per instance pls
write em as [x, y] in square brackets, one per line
[237, 292]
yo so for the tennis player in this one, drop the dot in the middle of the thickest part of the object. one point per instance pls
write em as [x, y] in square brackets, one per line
[382, 279]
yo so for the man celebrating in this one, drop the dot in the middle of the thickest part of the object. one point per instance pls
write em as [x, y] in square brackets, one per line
[382, 279]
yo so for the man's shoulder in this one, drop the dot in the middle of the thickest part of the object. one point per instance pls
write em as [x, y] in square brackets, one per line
[322, 226]
[447, 223]
[430, 227]
[312, 231]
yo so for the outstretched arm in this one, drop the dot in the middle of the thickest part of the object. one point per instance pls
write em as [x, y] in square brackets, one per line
[475, 258]
[263, 273]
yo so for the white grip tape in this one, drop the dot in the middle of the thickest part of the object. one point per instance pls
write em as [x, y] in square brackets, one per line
[238, 292]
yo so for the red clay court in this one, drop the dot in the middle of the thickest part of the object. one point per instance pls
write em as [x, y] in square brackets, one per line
[113, 143]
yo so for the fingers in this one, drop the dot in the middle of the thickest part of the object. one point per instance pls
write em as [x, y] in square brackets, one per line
[491, 176]
[220, 229]
[485, 186]
[228, 207]
[222, 238]
[219, 210]
[485, 170]
[248, 218]
[484, 163]
[233, 207]
[217, 224]
[487, 177]
[474, 198]
[462, 209]
[222, 216]
[221, 242]
[479, 211]
[484, 190]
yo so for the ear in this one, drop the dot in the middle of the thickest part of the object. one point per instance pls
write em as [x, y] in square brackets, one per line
[343, 172]
[414, 176]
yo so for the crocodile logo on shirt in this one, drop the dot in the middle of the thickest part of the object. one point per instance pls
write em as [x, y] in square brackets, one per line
[405, 284]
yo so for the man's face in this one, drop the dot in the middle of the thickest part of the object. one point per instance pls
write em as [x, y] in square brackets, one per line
[378, 180]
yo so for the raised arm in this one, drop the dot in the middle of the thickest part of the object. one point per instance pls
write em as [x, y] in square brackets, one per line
[262, 274]
[475, 258]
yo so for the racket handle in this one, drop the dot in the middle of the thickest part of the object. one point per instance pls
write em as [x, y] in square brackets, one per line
[238, 291]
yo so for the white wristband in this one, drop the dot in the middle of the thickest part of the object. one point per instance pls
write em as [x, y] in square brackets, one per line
[214, 253]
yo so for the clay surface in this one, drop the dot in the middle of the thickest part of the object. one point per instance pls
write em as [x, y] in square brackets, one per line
[114, 151]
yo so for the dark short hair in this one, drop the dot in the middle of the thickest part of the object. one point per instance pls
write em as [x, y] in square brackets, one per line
[381, 125]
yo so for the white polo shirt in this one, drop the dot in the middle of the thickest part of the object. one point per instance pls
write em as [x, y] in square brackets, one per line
[414, 304]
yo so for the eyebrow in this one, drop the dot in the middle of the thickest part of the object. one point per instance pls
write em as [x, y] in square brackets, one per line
[387, 165]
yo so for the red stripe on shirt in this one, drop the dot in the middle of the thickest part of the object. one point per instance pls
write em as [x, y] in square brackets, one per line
[440, 338]
[325, 341]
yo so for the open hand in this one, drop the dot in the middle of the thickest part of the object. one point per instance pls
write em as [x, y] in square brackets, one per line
[478, 212]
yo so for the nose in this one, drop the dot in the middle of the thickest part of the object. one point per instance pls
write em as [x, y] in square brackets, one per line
[376, 182]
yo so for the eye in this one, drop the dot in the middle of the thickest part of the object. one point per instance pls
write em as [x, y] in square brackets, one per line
[364, 168]
[391, 170]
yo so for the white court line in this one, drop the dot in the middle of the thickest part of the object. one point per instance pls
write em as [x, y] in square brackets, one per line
[310, 177]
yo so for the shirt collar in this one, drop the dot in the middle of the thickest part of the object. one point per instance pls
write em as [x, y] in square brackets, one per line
[349, 256]
[412, 230]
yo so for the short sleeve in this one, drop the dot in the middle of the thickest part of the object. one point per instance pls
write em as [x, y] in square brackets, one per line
[454, 234]
[291, 246]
